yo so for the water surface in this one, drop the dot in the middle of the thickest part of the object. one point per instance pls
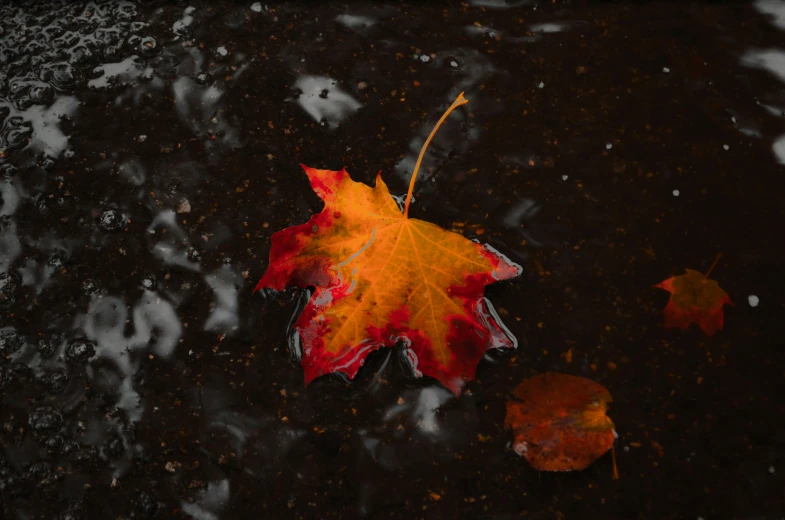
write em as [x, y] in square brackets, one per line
[149, 151]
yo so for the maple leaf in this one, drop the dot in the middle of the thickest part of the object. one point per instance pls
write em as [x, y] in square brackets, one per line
[695, 299]
[382, 278]
[559, 422]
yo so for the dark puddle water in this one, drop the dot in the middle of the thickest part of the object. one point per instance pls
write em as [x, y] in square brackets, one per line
[149, 151]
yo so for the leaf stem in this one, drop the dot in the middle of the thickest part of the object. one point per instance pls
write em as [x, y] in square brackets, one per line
[460, 100]
[615, 468]
[712, 266]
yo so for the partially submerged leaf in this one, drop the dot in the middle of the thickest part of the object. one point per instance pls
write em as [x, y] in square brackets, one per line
[381, 278]
[694, 299]
[559, 421]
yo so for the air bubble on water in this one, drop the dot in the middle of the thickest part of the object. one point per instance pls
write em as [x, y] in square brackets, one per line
[89, 286]
[753, 300]
[541, 85]
[10, 341]
[79, 351]
[256, 7]
[111, 220]
[45, 420]
[675, 193]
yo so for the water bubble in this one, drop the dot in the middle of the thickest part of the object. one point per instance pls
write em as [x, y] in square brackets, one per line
[753, 300]
[56, 261]
[89, 286]
[111, 220]
[8, 170]
[54, 444]
[46, 163]
[38, 471]
[194, 255]
[60, 75]
[18, 132]
[10, 341]
[80, 350]
[42, 94]
[80, 55]
[47, 347]
[148, 46]
[45, 419]
[149, 282]
[125, 12]
[56, 381]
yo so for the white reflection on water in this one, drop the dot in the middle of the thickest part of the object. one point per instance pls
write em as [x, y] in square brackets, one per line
[155, 327]
[775, 8]
[211, 501]
[324, 100]
[225, 283]
[422, 407]
[773, 61]
[121, 73]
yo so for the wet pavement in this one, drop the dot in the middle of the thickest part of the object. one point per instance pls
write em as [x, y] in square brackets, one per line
[149, 151]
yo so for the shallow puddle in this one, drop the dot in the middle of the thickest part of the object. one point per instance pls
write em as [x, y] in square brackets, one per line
[148, 152]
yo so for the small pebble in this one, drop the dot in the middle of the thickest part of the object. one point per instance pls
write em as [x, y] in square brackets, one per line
[141, 138]
[541, 85]
[726, 147]
[753, 300]
[675, 193]
[222, 51]
[454, 64]
[666, 70]
[564, 177]
[771, 470]
[425, 58]
[608, 146]
[256, 7]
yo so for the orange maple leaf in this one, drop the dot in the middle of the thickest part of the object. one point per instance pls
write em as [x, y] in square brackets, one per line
[382, 278]
[695, 299]
[559, 422]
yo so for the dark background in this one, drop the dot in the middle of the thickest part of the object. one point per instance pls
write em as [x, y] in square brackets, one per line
[149, 151]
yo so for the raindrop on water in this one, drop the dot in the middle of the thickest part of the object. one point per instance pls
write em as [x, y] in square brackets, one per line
[111, 220]
[45, 419]
[80, 350]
